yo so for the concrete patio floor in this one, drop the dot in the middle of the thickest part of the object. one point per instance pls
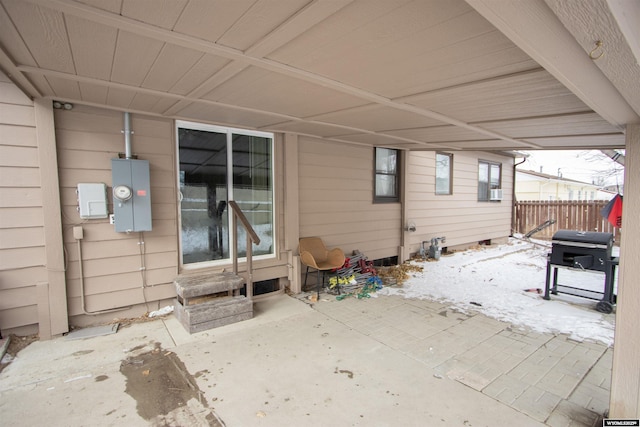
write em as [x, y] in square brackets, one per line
[383, 361]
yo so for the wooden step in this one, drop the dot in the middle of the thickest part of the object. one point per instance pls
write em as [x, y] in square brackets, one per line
[214, 313]
[191, 286]
[206, 301]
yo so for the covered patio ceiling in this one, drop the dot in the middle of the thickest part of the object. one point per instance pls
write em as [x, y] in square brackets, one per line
[418, 75]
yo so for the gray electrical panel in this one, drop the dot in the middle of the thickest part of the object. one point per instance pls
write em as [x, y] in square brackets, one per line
[131, 195]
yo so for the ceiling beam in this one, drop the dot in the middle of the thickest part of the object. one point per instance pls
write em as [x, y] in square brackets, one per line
[186, 100]
[534, 28]
[13, 72]
[307, 17]
[127, 24]
[152, 92]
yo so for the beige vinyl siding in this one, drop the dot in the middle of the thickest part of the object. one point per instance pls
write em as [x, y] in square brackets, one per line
[460, 217]
[87, 139]
[22, 254]
[336, 199]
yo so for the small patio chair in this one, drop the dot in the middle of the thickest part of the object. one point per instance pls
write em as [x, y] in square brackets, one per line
[314, 254]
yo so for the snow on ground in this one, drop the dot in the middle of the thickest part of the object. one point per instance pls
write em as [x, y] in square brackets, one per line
[493, 279]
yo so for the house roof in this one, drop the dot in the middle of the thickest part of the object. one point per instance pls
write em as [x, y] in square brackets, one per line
[454, 75]
[545, 176]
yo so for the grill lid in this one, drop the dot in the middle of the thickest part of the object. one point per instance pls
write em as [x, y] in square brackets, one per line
[586, 237]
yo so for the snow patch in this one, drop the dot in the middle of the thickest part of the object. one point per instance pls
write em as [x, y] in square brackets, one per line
[494, 280]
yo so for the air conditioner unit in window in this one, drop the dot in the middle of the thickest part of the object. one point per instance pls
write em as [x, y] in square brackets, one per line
[496, 194]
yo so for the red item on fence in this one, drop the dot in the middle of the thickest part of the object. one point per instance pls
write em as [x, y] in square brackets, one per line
[613, 211]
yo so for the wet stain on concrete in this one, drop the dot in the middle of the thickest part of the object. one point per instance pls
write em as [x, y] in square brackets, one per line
[201, 373]
[344, 371]
[159, 383]
[138, 347]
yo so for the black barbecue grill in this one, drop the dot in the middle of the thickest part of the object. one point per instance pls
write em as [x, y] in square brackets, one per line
[582, 250]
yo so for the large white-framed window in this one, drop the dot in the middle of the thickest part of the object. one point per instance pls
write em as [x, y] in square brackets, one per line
[387, 175]
[444, 173]
[218, 164]
[489, 181]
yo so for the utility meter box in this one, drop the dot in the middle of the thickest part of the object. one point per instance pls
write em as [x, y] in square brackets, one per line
[131, 195]
[92, 200]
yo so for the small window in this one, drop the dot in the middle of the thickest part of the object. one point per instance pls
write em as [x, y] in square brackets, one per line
[489, 181]
[386, 177]
[444, 173]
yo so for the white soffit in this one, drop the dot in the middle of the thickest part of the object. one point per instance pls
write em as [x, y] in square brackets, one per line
[582, 141]
[571, 124]
[377, 118]
[435, 134]
[489, 145]
[309, 128]
[224, 115]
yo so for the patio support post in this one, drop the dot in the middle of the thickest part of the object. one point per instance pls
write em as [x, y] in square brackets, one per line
[291, 220]
[51, 209]
[625, 377]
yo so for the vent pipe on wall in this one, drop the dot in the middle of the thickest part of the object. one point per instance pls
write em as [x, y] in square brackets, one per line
[127, 135]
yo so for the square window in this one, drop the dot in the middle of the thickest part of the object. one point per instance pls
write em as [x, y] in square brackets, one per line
[489, 181]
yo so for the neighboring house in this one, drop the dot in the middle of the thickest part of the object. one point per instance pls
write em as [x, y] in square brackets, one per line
[356, 121]
[532, 185]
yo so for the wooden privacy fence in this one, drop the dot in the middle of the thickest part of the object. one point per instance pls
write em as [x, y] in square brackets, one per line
[569, 215]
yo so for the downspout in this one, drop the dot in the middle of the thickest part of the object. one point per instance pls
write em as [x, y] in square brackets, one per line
[405, 227]
[513, 197]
